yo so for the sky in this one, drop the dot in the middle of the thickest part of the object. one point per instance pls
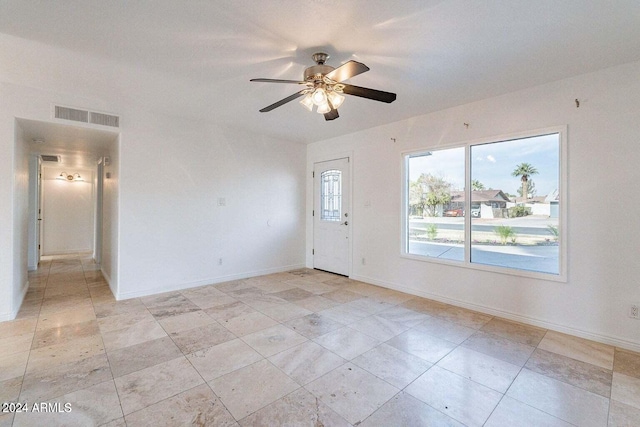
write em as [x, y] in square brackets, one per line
[492, 164]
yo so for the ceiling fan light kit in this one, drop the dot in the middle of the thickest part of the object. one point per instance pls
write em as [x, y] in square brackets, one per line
[325, 87]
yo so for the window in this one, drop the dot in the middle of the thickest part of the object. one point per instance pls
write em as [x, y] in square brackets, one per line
[494, 205]
[331, 195]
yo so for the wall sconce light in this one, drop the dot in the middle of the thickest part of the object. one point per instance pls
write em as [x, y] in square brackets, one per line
[70, 177]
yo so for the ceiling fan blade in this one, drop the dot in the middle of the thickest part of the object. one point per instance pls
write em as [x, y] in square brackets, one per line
[331, 115]
[282, 101]
[363, 92]
[278, 81]
[347, 70]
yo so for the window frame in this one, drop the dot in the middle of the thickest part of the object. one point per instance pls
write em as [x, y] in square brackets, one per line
[466, 262]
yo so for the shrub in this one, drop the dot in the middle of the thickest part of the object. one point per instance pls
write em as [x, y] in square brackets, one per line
[505, 233]
[554, 231]
[432, 231]
[518, 211]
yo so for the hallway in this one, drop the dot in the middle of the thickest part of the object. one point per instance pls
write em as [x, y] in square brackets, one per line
[297, 348]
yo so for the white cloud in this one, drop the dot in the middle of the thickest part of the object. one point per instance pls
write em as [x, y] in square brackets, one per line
[491, 158]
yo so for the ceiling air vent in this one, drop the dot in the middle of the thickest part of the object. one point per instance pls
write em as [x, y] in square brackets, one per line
[67, 113]
[86, 116]
[49, 158]
[104, 119]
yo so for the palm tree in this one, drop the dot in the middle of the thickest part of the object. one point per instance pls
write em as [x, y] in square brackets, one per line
[524, 171]
[477, 185]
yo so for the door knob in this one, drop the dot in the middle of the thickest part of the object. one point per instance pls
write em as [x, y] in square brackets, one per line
[345, 223]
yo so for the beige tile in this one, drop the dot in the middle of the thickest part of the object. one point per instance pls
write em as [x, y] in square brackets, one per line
[486, 370]
[564, 401]
[346, 342]
[62, 379]
[392, 365]
[82, 406]
[626, 389]
[248, 323]
[17, 327]
[524, 334]
[67, 317]
[229, 311]
[202, 337]
[579, 349]
[450, 331]
[369, 305]
[234, 285]
[299, 408]
[213, 362]
[404, 316]
[306, 362]
[391, 296]
[621, 415]
[422, 345]
[406, 410]
[464, 317]
[115, 308]
[315, 287]
[580, 374]
[342, 296]
[378, 327]
[499, 347]
[285, 312]
[124, 320]
[15, 344]
[135, 334]
[425, 306]
[511, 412]
[627, 363]
[246, 293]
[198, 406]
[166, 305]
[186, 321]
[316, 303]
[460, 398]
[64, 334]
[273, 340]
[71, 351]
[267, 383]
[293, 294]
[352, 392]
[140, 356]
[344, 315]
[313, 325]
[10, 389]
[151, 385]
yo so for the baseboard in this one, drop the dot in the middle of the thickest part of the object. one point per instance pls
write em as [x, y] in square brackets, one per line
[6, 316]
[213, 281]
[605, 339]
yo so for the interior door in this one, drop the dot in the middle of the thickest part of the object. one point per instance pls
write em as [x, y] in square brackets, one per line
[331, 216]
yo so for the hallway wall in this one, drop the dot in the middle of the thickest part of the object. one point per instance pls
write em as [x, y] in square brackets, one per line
[67, 211]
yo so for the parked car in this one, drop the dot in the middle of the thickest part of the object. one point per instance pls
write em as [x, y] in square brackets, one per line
[454, 212]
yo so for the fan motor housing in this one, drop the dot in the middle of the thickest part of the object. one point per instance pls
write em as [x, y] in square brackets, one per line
[317, 71]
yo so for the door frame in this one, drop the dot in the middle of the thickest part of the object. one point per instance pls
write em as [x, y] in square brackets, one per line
[311, 200]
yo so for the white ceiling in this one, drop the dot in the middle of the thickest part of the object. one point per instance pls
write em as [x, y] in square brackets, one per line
[195, 58]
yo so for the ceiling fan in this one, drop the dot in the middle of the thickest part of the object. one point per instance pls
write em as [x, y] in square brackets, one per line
[324, 87]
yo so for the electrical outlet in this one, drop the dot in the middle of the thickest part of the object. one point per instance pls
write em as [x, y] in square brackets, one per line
[364, 261]
[634, 311]
[219, 261]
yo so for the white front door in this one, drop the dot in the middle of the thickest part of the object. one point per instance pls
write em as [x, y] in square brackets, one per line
[331, 216]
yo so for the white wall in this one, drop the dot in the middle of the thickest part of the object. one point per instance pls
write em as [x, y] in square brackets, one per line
[67, 211]
[110, 220]
[603, 244]
[20, 281]
[173, 230]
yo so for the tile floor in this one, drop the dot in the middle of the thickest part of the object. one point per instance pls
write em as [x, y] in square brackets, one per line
[296, 348]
